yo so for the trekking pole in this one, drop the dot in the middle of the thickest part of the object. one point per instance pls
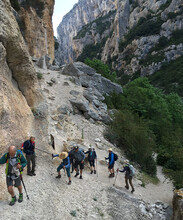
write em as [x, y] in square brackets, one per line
[97, 168]
[24, 186]
[115, 178]
[43, 151]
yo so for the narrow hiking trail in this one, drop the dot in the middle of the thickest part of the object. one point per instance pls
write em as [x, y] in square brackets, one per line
[94, 197]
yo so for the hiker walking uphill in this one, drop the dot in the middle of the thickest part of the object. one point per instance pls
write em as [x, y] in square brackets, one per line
[92, 156]
[64, 165]
[15, 162]
[29, 150]
[111, 163]
[79, 157]
[129, 173]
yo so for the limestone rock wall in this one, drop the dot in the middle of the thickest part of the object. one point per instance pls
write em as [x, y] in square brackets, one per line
[86, 24]
[36, 26]
[19, 90]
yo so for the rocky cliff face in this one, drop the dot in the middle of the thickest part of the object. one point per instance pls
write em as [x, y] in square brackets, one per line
[35, 21]
[135, 37]
[178, 205]
[82, 14]
[18, 82]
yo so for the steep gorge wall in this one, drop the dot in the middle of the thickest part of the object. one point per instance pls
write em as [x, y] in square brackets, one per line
[136, 40]
[35, 19]
[82, 13]
[19, 90]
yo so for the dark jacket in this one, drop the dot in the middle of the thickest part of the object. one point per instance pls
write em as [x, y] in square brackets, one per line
[29, 147]
[126, 169]
[71, 154]
[91, 155]
[111, 158]
[79, 156]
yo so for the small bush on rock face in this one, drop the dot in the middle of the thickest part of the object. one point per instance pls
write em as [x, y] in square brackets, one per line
[39, 75]
[15, 4]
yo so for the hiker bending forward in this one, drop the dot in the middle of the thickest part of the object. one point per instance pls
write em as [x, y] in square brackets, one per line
[111, 162]
[64, 165]
[92, 156]
[79, 157]
[15, 162]
[29, 150]
[128, 175]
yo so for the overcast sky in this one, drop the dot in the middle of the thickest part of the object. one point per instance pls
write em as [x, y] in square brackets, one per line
[61, 8]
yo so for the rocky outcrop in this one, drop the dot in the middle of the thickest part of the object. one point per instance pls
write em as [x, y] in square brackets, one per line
[18, 83]
[91, 104]
[35, 21]
[178, 205]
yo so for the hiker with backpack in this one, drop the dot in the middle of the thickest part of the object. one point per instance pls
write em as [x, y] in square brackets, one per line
[129, 173]
[92, 156]
[64, 165]
[112, 158]
[79, 157]
[29, 150]
[15, 162]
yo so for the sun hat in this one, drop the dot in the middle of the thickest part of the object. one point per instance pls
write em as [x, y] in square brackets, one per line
[110, 149]
[126, 161]
[63, 155]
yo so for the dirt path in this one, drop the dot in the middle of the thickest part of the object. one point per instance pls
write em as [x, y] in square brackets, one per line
[90, 198]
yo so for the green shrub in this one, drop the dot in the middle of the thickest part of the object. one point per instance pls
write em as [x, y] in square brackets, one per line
[15, 4]
[39, 75]
[166, 5]
[147, 121]
[101, 68]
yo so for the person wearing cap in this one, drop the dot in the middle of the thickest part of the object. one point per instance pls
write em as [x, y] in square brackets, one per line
[92, 156]
[64, 165]
[128, 176]
[79, 157]
[111, 163]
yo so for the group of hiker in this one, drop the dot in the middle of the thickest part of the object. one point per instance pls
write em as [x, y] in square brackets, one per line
[74, 160]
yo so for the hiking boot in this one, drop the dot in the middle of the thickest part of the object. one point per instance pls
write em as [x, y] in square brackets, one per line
[81, 177]
[69, 183]
[91, 172]
[95, 172]
[110, 175]
[127, 187]
[58, 177]
[20, 199]
[76, 174]
[113, 175]
[33, 174]
[13, 200]
[29, 174]
[132, 191]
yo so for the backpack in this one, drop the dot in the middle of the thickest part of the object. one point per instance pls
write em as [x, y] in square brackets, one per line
[115, 157]
[132, 170]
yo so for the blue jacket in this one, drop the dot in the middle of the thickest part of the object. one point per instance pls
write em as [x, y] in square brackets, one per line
[111, 158]
[66, 162]
[79, 156]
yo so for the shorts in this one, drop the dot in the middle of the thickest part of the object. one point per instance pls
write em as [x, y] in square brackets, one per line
[10, 182]
[111, 166]
[67, 169]
[128, 177]
[78, 163]
[92, 163]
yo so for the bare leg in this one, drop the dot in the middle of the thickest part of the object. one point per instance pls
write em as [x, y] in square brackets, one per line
[81, 171]
[20, 189]
[11, 191]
